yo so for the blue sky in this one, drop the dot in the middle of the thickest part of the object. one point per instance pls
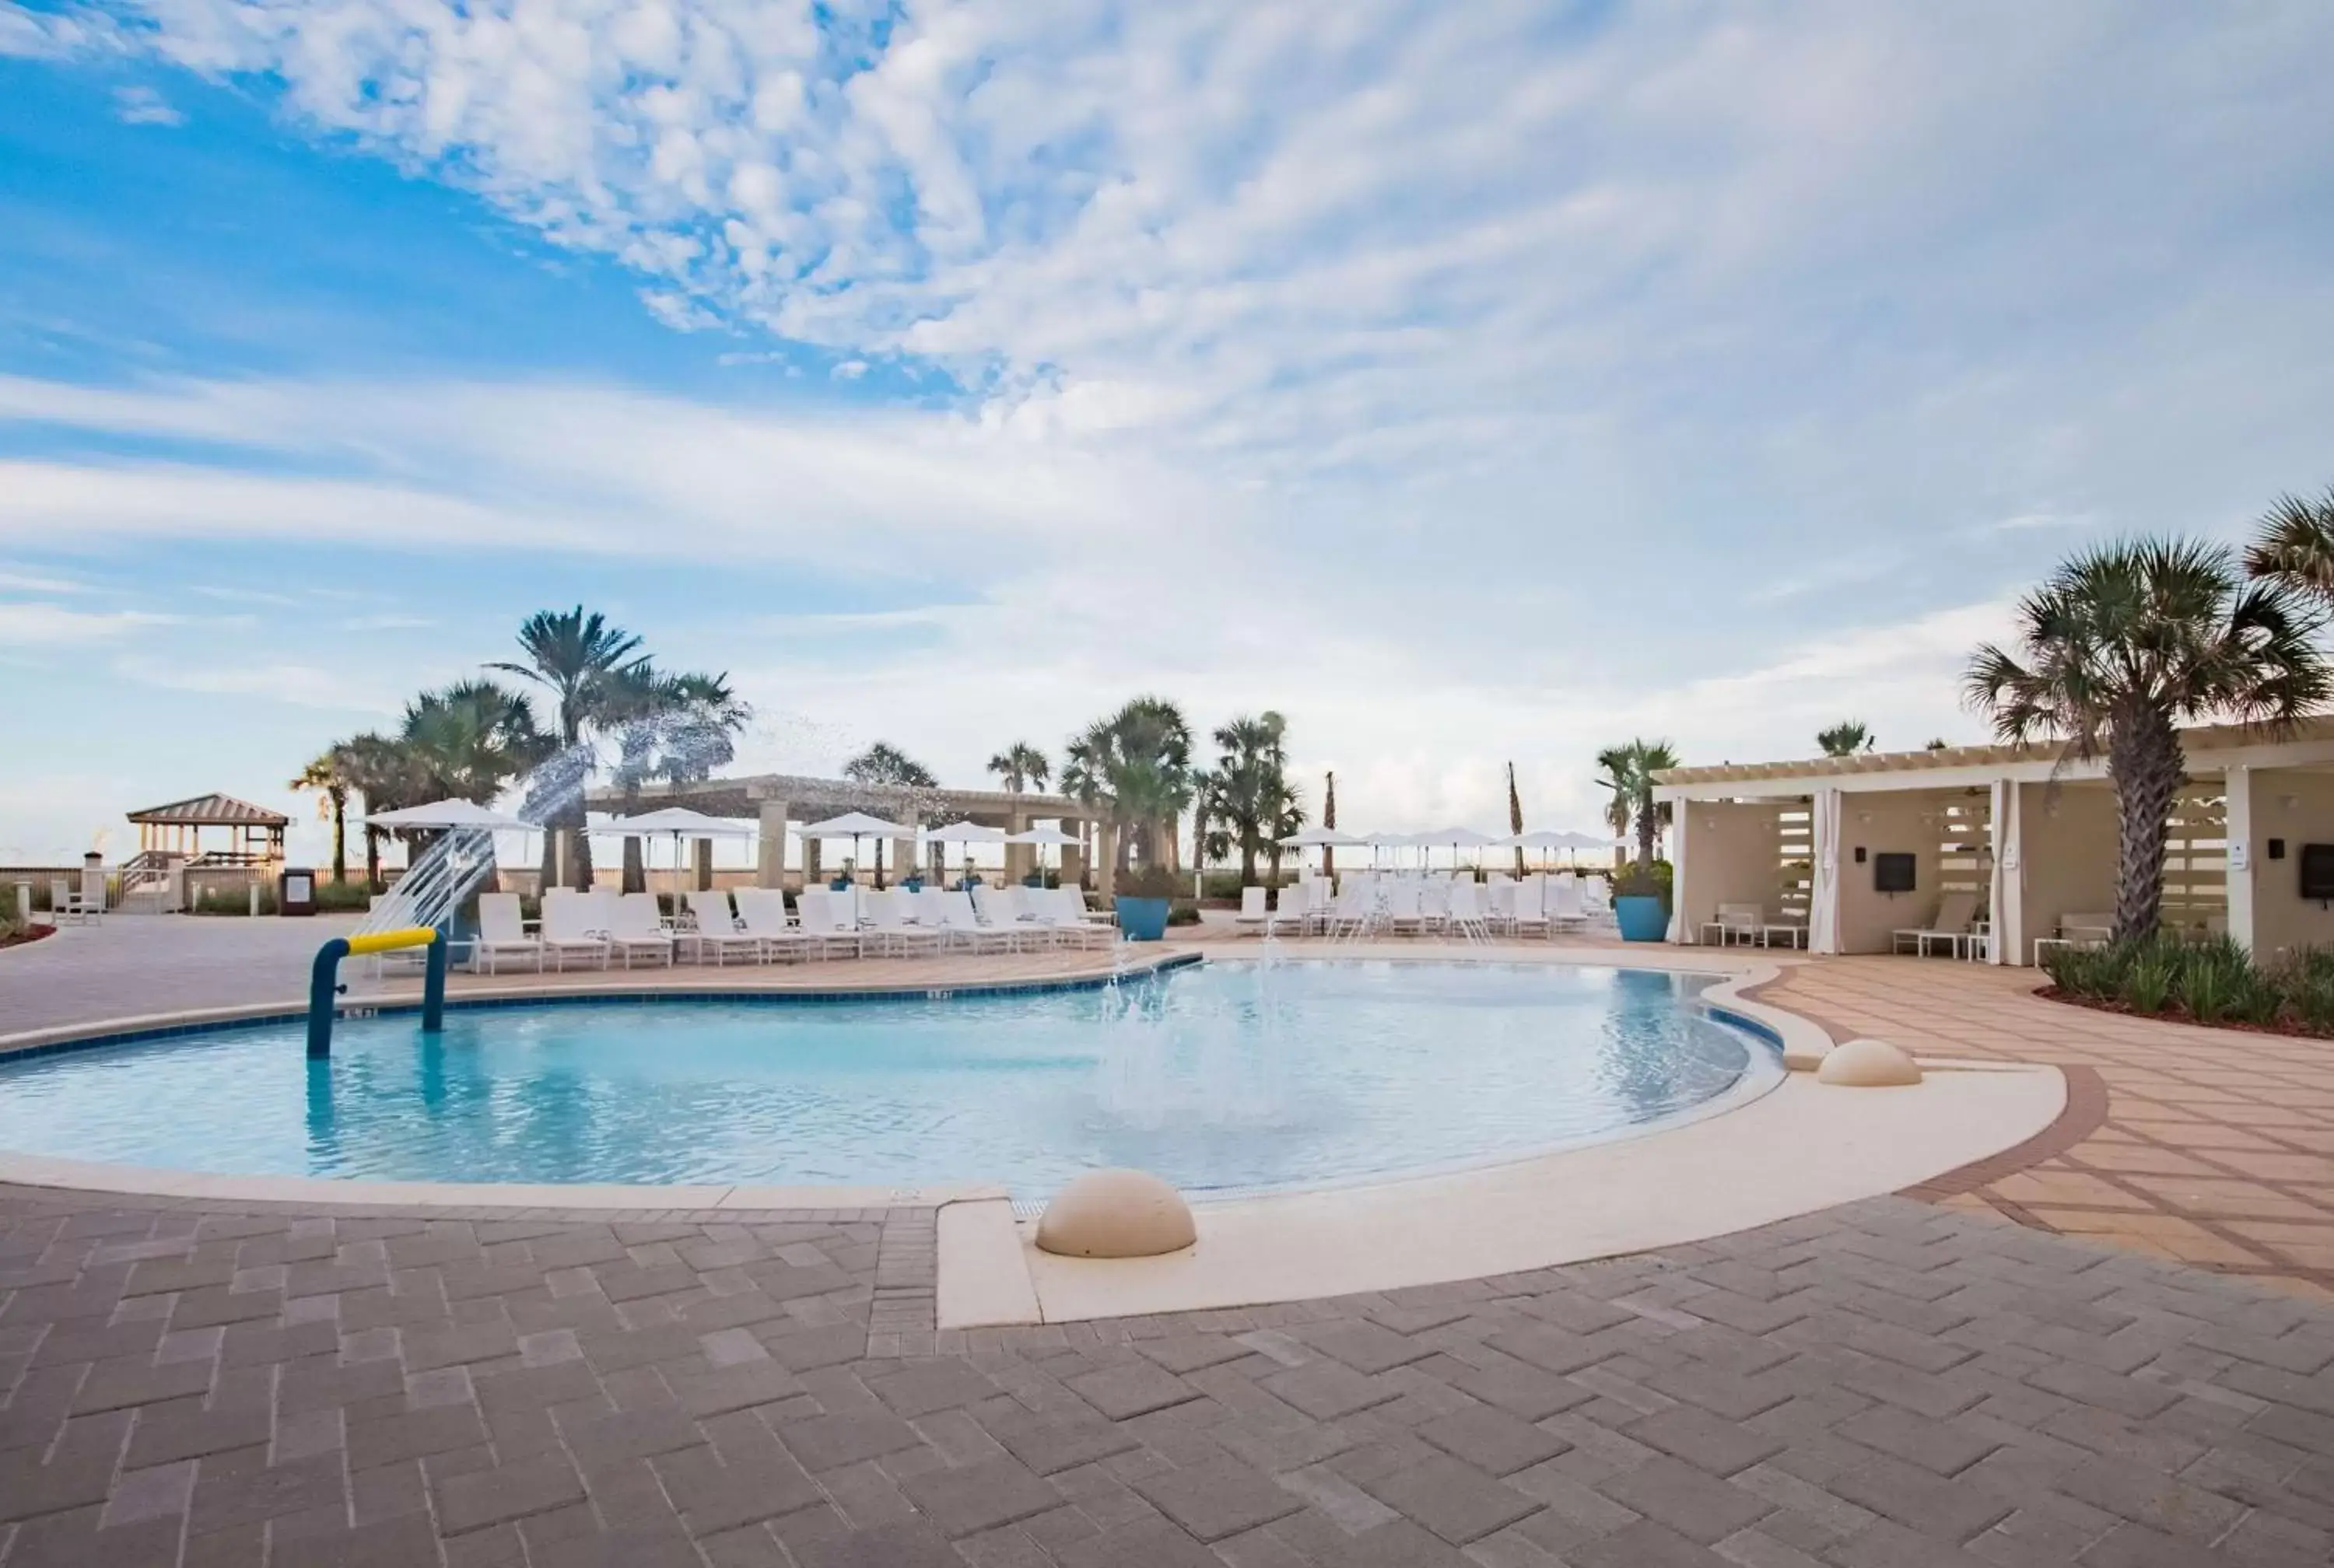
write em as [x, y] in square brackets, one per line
[1469, 383]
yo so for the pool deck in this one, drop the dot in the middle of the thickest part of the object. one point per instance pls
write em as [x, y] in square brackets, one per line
[1894, 1382]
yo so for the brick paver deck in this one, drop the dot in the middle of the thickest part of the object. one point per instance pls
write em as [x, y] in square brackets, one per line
[1891, 1383]
[2211, 1146]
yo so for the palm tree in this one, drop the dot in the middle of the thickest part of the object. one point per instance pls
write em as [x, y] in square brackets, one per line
[327, 774]
[1629, 773]
[1287, 820]
[1244, 794]
[685, 726]
[596, 670]
[1328, 821]
[469, 741]
[1021, 766]
[1136, 766]
[885, 764]
[381, 770]
[2296, 545]
[2124, 643]
[1845, 738]
[1516, 819]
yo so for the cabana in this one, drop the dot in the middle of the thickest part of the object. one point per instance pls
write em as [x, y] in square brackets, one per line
[1869, 845]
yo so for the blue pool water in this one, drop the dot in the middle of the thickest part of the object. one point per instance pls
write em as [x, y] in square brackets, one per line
[1226, 1075]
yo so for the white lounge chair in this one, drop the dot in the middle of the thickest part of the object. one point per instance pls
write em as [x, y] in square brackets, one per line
[762, 915]
[1252, 912]
[1060, 915]
[1000, 909]
[891, 926]
[1955, 924]
[962, 927]
[502, 928]
[1565, 913]
[831, 920]
[1527, 916]
[574, 926]
[716, 931]
[637, 929]
[1465, 914]
[1294, 916]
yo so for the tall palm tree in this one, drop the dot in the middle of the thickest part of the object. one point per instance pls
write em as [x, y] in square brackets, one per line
[1021, 768]
[1845, 738]
[2124, 643]
[328, 776]
[1136, 766]
[382, 769]
[1287, 820]
[1629, 770]
[1516, 819]
[596, 670]
[1328, 821]
[1243, 793]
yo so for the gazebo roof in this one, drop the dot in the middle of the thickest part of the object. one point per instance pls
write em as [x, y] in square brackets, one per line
[211, 811]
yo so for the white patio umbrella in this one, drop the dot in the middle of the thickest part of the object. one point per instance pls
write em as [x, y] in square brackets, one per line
[855, 826]
[1323, 839]
[1457, 839]
[449, 814]
[680, 822]
[1042, 836]
[965, 832]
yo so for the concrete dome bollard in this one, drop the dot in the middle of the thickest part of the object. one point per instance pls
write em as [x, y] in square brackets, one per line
[1867, 1064]
[1116, 1214]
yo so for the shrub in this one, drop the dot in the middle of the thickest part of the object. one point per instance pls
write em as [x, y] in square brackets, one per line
[231, 901]
[1153, 883]
[1638, 881]
[342, 898]
[12, 919]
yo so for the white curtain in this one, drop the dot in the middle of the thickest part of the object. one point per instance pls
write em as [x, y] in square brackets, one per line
[1682, 931]
[1823, 912]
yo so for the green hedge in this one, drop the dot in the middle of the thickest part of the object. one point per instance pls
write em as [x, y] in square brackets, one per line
[2208, 982]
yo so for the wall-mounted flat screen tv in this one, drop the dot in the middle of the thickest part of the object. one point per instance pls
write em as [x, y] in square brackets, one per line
[2318, 871]
[1892, 873]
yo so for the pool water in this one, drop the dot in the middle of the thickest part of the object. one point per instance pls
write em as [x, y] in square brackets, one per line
[1231, 1075]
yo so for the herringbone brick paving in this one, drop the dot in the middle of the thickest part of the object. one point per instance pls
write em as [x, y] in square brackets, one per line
[1889, 1384]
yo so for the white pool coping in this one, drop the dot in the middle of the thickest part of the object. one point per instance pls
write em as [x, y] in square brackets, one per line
[1804, 1147]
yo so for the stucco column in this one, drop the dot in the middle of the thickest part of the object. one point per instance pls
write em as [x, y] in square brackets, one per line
[1106, 862]
[770, 865]
[2006, 905]
[1018, 857]
[2240, 856]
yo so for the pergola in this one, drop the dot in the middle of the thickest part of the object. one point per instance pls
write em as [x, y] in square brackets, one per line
[255, 834]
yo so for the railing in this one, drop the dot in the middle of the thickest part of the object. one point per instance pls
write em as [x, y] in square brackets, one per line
[146, 868]
[435, 884]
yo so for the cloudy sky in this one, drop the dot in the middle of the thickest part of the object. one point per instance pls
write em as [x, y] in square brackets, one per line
[1469, 382]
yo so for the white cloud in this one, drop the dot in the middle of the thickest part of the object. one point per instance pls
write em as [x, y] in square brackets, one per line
[300, 684]
[30, 624]
[38, 582]
[144, 106]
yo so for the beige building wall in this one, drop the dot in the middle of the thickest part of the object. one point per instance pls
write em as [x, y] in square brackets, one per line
[2298, 807]
[2068, 849]
[1731, 857]
[1897, 822]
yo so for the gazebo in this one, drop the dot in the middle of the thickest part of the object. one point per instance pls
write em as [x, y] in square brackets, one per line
[255, 834]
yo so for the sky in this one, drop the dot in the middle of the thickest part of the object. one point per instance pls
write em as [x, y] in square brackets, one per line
[1471, 384]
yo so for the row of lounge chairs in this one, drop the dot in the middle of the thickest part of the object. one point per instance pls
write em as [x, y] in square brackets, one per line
[1365, 903]
[592, 929]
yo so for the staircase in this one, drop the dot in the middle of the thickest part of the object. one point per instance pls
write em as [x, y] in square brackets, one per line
[149, 883]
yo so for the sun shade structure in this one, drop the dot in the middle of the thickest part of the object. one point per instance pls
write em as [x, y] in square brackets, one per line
[1054, 836]
[682, 823]
[449, 814]
[1323, 839]
[176, 829]
[970, 833]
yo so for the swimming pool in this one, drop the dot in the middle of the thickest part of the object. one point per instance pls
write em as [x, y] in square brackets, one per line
[1227, 1075]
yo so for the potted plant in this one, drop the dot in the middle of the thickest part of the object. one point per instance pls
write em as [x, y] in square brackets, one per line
[1142, 899]
[1641, 904]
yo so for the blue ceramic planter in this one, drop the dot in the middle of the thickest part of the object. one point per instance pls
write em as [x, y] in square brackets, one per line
[1142, 920]
[1641, 918]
